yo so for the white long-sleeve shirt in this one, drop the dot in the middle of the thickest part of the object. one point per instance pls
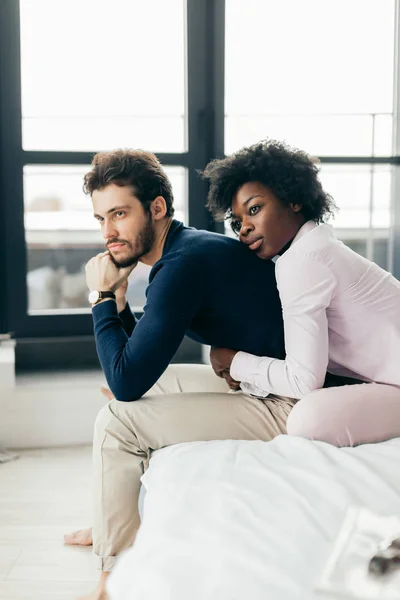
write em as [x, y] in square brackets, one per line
[341, 313]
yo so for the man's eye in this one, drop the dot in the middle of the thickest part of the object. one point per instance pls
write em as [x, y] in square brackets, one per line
[254, 210]
[236, 226]
[120, 213]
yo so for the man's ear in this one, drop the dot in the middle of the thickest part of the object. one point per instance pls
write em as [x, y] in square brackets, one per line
[158, 208]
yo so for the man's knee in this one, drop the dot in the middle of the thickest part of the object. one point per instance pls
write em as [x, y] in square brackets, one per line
[116, 415]
[103, 418]
[115, 421]
[111, 412]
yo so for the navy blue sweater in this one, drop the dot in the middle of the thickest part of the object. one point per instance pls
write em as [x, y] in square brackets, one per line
[207, 286]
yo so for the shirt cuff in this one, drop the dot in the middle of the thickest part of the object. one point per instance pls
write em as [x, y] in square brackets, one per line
[251, 369]
[253, 390]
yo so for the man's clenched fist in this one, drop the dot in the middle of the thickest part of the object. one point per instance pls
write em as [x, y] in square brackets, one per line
[103, 275]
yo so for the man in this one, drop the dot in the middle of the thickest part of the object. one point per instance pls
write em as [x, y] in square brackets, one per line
[202, 285]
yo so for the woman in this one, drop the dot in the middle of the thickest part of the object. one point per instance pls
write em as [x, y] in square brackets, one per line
[341, 312]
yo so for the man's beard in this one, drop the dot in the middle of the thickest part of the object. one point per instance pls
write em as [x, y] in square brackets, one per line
[144, 243]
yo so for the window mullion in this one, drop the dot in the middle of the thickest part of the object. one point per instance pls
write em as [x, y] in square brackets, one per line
[394, 246]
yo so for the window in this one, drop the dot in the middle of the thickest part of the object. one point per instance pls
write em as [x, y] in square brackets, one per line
[118, 82]
[97, 76]
[363, 194]
[320, 75]
[81, 76]
[109, 88]
[190, 81]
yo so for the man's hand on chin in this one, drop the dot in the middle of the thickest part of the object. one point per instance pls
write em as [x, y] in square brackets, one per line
[103, 275]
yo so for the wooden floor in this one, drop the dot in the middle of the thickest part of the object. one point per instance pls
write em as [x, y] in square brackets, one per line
[44, 494]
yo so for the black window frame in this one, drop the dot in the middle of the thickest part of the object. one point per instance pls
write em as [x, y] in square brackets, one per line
[205, 122]
[204, 102]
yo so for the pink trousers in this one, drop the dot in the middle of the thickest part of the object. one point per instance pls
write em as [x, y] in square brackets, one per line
[348, 415]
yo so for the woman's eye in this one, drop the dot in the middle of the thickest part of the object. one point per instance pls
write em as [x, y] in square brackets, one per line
[253, 210]
[236, 226]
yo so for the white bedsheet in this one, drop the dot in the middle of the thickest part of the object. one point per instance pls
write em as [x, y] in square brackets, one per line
[234, 520]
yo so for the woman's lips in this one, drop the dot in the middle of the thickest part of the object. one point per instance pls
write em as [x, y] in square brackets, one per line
[255, 245]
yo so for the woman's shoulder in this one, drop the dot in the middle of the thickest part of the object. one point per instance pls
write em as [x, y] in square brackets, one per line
[307, 264]
[314, 246]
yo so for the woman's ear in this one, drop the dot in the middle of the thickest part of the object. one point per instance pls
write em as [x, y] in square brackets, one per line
[158, 208]
[296, 207]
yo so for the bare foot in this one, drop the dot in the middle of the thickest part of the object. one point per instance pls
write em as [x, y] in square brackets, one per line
[108, 393]
[100, 592]
[83, 537]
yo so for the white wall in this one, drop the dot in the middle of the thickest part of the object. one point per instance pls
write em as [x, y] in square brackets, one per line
[42, 410]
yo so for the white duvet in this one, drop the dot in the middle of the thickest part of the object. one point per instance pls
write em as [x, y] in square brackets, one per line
[232, 520]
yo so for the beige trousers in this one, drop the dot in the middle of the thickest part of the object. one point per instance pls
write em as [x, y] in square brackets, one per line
[189, 403]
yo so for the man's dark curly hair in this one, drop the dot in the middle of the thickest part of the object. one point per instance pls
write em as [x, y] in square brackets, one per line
[138, 169]
[289, 173]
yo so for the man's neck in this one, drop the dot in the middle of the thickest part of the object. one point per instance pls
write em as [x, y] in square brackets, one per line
[161, 233]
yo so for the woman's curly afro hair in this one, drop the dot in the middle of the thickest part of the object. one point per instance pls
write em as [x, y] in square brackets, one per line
[289, 173]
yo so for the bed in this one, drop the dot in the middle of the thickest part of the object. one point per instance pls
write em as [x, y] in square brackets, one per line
[230, 520]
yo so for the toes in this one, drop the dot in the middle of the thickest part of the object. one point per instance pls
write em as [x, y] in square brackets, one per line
[70, 538]
[79, 538]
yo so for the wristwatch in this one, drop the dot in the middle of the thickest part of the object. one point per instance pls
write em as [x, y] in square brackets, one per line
[95, 296]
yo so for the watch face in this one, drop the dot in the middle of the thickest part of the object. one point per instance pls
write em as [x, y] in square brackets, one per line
[94, 296]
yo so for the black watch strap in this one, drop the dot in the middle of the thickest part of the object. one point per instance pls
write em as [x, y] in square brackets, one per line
[106, 295]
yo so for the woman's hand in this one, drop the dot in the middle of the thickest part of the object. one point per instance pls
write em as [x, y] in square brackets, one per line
[234, 385]
[221, 360]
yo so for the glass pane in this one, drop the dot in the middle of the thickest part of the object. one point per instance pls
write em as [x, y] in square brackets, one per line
[363, 195]
[383, 135]
[62, 235]
[360, 206]
[319, 135]
[315, 85]
[118, 82]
